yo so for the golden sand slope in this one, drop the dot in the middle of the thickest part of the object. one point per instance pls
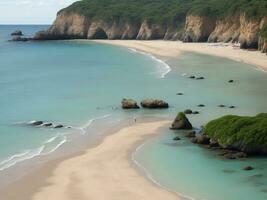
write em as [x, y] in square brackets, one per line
[105, 172]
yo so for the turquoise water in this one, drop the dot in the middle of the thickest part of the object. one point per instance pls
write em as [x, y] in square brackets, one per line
[80, 85]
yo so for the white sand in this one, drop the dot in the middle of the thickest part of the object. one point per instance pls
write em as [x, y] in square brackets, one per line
[174, 48]
[104, 172]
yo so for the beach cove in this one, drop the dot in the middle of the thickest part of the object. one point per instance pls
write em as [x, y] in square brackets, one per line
[162, 75]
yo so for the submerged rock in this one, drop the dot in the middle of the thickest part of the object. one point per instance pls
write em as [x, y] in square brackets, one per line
[47, 124]
[180, 93]
[221, 106]
[35, 123]
[200, 78]
[154, 103]
[195, 112]
[248, 168]
[19, 39]
[181, 122]
[59, 126]
[201, 105]
[192, 77]
[230, 81]
[176, 138]
[129, 104]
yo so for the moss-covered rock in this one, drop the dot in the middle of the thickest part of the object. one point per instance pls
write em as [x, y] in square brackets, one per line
[247, 134]
[181, 122]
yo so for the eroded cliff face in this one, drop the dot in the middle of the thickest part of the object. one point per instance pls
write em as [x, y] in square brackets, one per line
[197, 29]
[72, 26]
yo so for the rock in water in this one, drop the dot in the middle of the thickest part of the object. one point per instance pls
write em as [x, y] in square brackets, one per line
[129, 104]
[154, 103]
[181, 122]
[59, 126]
[248, 168]
[188, 111]
[17, 33]
[47, 124]
[35, 123]
[19, 39]
[176, 138]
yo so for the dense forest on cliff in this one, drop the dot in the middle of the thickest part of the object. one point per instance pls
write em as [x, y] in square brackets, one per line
[166, 11]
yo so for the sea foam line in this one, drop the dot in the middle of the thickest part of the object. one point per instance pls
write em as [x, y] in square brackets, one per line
[29, 154]
[150, 176]
[166, 68]
[89, 123]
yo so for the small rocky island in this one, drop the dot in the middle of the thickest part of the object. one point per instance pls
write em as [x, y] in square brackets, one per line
[234, 136]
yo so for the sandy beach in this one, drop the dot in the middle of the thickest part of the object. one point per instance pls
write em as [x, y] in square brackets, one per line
[105, 172]
[175, 48]
[102, 172]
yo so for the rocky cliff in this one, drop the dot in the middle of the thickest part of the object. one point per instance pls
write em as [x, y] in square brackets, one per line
[237, 28]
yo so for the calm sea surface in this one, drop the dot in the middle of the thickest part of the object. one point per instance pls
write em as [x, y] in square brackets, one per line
[81, 86]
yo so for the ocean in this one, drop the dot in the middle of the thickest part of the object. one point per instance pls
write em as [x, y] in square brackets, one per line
[80, 85]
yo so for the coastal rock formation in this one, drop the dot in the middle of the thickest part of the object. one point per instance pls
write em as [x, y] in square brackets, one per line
[17, 33]
[85, 20]
[129, 104]
[181, 122]
[154, 103]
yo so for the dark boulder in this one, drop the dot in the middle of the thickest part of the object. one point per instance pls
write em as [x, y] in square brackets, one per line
[59, 126]
[201, 105]
[195, 112]
[129, 104]
[154, 103]
[188, 111]
[176, 138]
[221, 106]
[47, 124]
[248, 168]
[17, 33]
[35, 123]
[180, 94]
[181, 122]
[200, 78]
[231, 106]
[230, 81]
[192, 77]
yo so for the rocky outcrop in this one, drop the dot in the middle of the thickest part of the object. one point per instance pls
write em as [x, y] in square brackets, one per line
[17, 33]
[154, 103]
[129, 104]
[181, 122]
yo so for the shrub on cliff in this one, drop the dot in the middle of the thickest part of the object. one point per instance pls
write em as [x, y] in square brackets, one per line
[248, 134]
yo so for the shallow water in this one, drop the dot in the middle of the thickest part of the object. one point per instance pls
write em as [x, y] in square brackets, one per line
[196, 172]
[73, 83]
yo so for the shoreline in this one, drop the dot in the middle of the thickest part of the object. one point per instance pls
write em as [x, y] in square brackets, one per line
[51, 168]
[172, 49]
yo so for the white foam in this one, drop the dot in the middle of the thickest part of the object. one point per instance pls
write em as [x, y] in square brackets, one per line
[84, 127]
[63, 141]
[150, 176]
[164, 67]
[13, 160]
